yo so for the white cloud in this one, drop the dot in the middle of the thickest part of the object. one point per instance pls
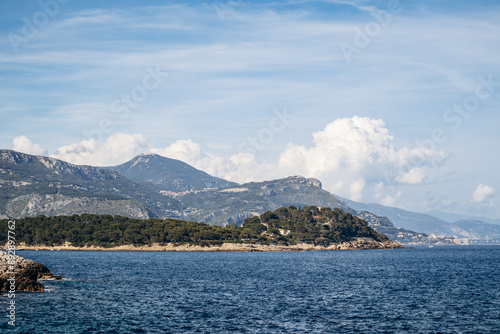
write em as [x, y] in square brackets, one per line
[240, 167]
[353, 154]
[184, 149]
[414, 176]
[482, 193]
[25, 145]
[116, 149]
[353, 157]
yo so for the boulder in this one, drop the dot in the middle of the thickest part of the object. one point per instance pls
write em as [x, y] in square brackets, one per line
[26, 275]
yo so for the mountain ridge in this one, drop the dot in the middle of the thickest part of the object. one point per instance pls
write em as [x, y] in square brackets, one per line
[33, 185]
[166, 174]
[39, 181]
[473, 229]
[455, 217]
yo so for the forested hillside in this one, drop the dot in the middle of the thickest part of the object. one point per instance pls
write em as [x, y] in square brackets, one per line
[284, 226]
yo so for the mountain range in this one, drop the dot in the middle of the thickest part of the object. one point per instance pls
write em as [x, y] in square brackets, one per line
[165, 174]
[453, 217]
[150, 185]
[469, 227]
[34, 185]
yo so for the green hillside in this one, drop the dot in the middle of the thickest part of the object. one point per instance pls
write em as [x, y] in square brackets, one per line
[284, 226]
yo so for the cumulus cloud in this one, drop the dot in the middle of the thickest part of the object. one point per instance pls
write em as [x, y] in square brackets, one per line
[116, 149]
[352, 155]
[240, 167]
[414, 176]
[185, 150]
[482, 193]
[25, 145]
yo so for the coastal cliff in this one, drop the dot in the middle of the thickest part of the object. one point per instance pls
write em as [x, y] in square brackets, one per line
[27, 273]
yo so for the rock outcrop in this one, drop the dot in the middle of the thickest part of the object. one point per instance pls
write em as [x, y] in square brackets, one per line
[33, 205]
[353, 244]
[26, 272]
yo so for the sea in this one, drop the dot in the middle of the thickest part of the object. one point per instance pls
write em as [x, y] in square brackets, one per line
[420, 290]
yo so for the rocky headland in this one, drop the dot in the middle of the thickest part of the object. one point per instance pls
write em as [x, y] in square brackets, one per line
[27, 273]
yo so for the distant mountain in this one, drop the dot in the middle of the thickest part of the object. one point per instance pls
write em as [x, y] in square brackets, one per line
[168, 174]
[453, 217]
[385, 226]
[234, 205]
[402, 218]
[465, 228]
[32, 185]
[475, 229]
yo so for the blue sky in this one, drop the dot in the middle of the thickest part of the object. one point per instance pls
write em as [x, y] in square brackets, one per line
[383, 101]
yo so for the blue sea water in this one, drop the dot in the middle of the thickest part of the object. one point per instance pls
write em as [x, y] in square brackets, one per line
[438, 290]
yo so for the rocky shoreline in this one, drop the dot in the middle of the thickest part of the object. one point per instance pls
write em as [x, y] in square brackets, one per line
[357, 243]
[20, 274]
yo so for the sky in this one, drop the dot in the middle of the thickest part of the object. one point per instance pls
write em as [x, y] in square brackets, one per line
[390, 102]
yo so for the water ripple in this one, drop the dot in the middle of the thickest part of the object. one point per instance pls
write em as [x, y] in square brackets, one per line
[445, 290]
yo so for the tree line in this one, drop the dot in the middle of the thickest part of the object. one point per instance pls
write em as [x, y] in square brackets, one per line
[283, 226]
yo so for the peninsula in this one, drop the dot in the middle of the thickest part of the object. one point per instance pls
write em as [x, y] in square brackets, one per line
[285, 229]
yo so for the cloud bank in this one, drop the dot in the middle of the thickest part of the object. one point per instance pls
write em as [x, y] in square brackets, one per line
[358, 154]
[116, 149]
[353, 157]
[24, 145]
[240, 167]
